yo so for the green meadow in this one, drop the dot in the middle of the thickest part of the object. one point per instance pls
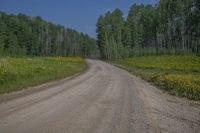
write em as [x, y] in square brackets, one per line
[19, 73]
[179, 75]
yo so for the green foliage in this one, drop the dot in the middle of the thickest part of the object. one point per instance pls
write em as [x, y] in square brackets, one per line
[23, 35]
[18, 73]
[3, 73]
[171, 27]
[179, 75]
[110, 29]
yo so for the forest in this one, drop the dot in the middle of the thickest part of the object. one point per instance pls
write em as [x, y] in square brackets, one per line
[171, 27]
[23, 35]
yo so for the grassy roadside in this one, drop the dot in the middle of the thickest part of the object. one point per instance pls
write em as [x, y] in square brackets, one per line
[19, 73]
[179, 75]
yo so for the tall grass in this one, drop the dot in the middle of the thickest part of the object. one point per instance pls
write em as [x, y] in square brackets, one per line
[180, 75]
[18, 73]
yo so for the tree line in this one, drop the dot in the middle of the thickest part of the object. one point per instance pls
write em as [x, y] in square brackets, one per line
[169, 27]
[22, 35]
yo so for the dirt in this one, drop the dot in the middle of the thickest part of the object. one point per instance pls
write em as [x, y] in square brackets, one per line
[105, 99]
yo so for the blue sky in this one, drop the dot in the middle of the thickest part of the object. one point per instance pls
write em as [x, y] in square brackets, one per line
[77, 14]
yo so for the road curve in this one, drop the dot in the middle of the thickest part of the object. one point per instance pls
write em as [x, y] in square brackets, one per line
[105, 99]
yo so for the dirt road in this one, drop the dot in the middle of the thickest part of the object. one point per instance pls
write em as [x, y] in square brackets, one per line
[105, 99]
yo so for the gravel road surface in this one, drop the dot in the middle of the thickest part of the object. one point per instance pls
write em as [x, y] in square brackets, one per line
[104, 99]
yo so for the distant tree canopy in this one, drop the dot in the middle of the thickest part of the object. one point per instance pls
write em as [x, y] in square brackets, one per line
[24, 35]
[169, 27]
